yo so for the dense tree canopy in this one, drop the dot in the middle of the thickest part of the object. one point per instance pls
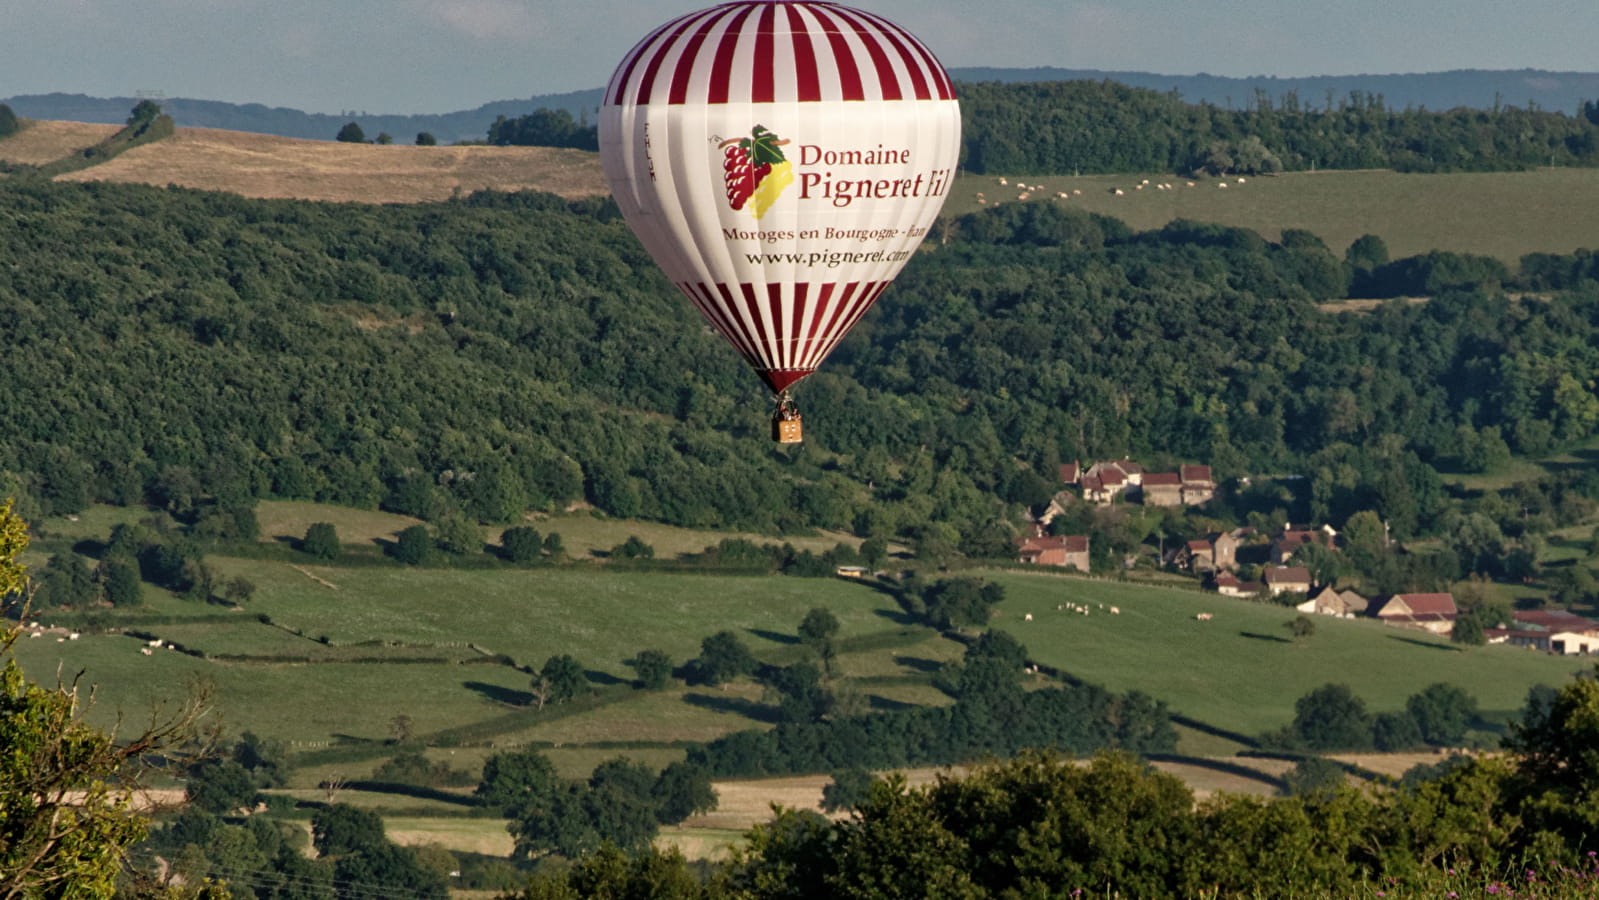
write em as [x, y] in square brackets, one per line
[483, 357]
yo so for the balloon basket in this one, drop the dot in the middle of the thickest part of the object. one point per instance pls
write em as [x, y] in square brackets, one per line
[787, 423]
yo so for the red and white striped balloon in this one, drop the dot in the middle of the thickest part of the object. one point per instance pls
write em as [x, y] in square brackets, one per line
[781, 160]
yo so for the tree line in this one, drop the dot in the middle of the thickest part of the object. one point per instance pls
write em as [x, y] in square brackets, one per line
[1043, 826]
[1094, 127]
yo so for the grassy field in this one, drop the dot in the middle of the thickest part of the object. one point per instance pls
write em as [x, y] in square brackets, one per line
[1240, 671]
[600, 618]
[1502, 214]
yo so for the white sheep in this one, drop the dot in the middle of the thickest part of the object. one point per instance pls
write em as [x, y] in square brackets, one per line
[1115, 610]
[1190, 184]
[1118, 192]
[155, 643]
[1077, 192]
[145, 650]
[1240, 179]
[35, 634]
[1023, 196]
[1222, 185]
[1146, 180]
[1003, 181]
[1138, 187]
[73, 636]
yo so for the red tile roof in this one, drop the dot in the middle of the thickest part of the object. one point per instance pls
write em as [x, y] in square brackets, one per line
[1162, 479]
[1199, 546]
[1112, 476]
[1070, 472]
[1191, 474]
[1076, 543]
[1427, 604]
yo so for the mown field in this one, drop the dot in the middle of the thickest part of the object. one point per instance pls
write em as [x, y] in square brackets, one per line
[1501, 214]
[1240, 670]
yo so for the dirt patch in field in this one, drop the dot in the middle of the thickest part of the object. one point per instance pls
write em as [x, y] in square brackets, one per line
[46, 142]
[271, 167]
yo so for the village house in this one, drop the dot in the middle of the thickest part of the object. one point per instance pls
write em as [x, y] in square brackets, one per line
[1103, 481]
[1287, 580]
[1429, 612]
[1068, 551]
[1228, 585]
[1330, 602]
[1219, 551]
[1288, 542]
[1197, 486]
[1162, 489]
[1070, 473]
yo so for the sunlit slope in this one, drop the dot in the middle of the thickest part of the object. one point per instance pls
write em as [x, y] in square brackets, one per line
[269, 167]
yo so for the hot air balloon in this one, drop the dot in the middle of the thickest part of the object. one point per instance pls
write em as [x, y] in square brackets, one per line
[780, 160]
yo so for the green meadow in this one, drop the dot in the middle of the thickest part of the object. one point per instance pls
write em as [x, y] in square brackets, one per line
[1240, 670]
[1500, 214]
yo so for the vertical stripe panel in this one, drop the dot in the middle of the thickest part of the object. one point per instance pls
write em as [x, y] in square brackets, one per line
[808, 83]
[722, 68]
[761, 81]
[887, 81]
[849, 75]
[684, 70]
[914, 65]
[658, 58]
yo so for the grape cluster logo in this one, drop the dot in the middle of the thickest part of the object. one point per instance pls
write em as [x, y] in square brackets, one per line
[755, 171]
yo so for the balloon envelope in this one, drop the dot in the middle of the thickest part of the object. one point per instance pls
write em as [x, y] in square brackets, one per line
[780, 161]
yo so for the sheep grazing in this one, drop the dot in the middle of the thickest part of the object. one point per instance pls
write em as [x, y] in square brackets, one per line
[155, 643]
[1146, 180]
[1203, 617]
[35, 634]
[1190, 184]
[1115, 610]
[1138, 187]
[1117, 191]
[145, 650]
[1061, 194]
[1077, 192]
[1240, 180]
[979, 195]
[1023, 196]
[73, 636]
[1222, 185]
[1027, 618]
[1004, 182]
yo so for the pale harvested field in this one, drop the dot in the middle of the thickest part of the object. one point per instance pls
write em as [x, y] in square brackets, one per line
[1391, 764]
[46, 142]
[270, 167]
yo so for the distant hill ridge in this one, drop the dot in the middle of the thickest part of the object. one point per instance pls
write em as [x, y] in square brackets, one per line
[1472, 88]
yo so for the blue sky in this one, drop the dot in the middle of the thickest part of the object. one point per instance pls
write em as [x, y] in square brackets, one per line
[421, 56]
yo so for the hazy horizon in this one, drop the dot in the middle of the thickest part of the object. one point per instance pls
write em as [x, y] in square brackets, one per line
[436, 56]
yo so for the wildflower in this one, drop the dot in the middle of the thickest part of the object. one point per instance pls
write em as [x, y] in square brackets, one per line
[1452, 894]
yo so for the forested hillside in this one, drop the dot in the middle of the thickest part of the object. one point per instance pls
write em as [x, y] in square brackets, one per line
[1087, 126]
[510, 352]
[1090, 127]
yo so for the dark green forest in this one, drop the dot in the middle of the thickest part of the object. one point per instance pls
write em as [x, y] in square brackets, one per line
[1098, 127]
[506, 352]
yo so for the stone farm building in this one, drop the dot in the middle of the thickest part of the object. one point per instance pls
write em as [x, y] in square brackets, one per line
[1331, 602]
[1103, 482]
[1067, 551]
[1428, 612]
[1287, 580]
